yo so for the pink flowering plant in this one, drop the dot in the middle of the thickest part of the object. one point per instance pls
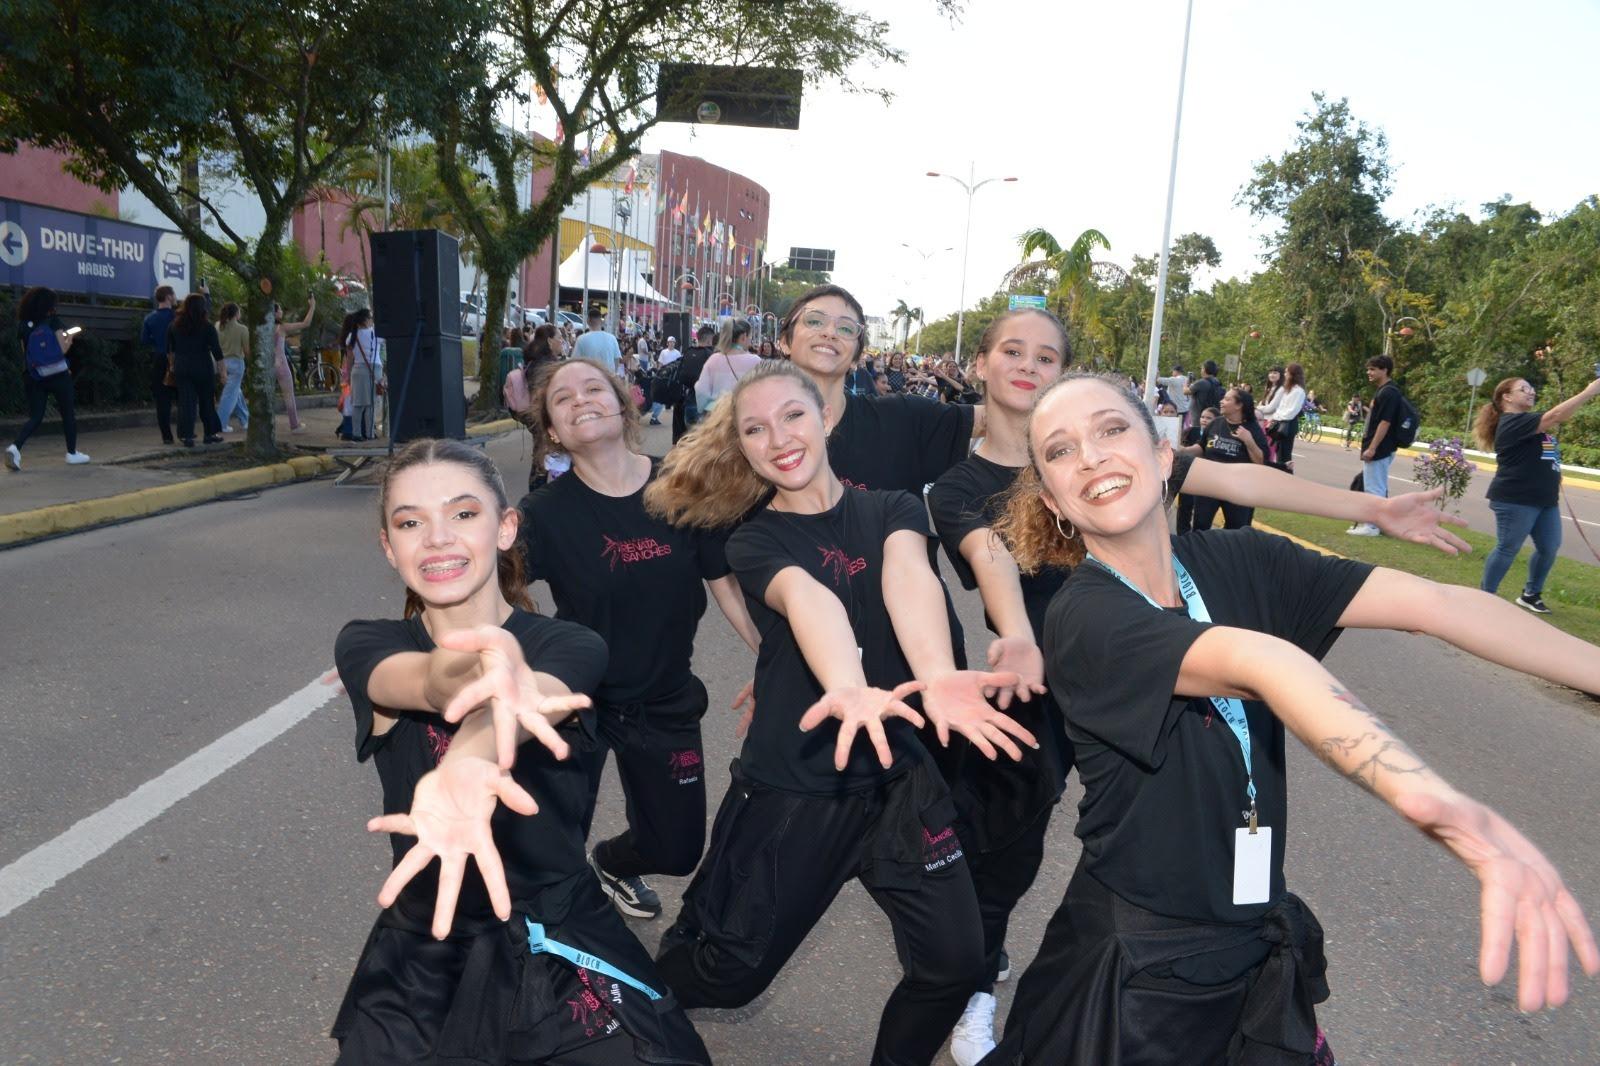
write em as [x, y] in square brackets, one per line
[1444, 465]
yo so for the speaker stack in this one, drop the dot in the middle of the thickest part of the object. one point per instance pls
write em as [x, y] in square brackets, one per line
[416, 309]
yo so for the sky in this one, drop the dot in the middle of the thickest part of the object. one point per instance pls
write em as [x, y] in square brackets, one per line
[1076, 100]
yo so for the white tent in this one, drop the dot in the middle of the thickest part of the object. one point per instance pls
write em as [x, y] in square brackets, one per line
[600, 273]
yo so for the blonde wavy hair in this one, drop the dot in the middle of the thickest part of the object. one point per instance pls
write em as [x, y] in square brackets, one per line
[1025, 523]
[537, 415]
[705, 481]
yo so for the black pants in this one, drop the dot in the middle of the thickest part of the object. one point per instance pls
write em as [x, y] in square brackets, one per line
[1000, 879]
[1284, 435]
[776, 862]
[193, 389]
[661, 764]
[38, 390]
[1185, 512]
[1233, 515]
[163, 395]
[682, 412]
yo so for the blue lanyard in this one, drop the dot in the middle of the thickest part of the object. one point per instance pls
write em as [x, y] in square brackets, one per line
[1232, 710]
[538, 943]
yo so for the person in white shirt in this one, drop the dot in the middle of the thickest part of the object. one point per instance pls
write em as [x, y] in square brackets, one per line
[1281, 413]
[600, 346]
[730, 362]
[668, 355]
[1175, 386]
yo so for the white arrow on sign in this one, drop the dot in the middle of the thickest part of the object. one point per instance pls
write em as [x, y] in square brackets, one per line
[13, 244]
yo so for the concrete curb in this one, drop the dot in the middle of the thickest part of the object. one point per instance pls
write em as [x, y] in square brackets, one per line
[1275, 531]
[62, 518]
[495, 428]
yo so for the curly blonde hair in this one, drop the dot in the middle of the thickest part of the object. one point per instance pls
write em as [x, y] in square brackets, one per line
[705, 480]
[1035, 535]
[537, 415]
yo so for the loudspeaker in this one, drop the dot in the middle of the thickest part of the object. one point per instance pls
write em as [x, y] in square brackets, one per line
[415, 272]
[729, 96]
[425, 396]
[676, 324]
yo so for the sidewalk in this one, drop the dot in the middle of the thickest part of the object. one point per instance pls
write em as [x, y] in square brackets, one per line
[46, 480]
[49, 498]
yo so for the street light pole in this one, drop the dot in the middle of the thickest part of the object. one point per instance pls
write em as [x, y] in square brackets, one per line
[971, 187]
[1152, 365]
[922, 319]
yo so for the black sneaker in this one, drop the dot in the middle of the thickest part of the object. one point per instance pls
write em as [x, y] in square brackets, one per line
[1534, 603]
[1004, 972]
[632, 895]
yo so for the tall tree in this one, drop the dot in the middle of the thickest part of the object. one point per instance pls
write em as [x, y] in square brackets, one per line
[279, 95]
[1327, 191]
[596, 64]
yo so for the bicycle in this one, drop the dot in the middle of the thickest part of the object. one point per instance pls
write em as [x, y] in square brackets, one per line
[318, 375]
[1311, 427]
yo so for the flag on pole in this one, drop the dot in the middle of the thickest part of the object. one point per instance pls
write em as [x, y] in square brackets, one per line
[716, 232]
[683, 204]
[633, 172]
[747, 259]
[663, 201]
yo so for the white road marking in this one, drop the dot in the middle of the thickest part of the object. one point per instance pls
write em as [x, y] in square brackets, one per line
[48, 863]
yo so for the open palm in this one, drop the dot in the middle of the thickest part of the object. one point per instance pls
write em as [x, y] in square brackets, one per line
[862, 708]
[1522, 898]
[959, 701]
[450, 811]
[508, 686]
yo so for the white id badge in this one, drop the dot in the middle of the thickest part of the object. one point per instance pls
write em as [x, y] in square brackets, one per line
[1252, 865]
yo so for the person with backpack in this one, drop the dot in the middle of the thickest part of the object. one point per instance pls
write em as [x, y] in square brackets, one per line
[45, 343]
[681, 384]
[668, 355]
[1392, 425]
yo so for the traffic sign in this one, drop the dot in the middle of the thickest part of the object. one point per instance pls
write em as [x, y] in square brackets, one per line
[1017, 303]
[1476, 377]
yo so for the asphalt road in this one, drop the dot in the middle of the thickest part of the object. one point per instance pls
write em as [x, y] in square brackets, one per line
[223, 929]
[1331, 464]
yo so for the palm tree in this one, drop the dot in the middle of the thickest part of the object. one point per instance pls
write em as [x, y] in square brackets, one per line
[1065, 272]
[903, 315]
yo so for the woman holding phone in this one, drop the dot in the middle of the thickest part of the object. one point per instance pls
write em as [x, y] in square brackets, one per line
[45, 376]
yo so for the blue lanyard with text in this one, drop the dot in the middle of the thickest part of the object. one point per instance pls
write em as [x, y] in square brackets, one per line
[538, 942]
[1232, 710]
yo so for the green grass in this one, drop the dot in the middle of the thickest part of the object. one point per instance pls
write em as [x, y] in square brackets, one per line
[1572, 591]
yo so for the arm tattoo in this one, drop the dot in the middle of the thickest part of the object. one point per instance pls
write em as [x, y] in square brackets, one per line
[1363, 757]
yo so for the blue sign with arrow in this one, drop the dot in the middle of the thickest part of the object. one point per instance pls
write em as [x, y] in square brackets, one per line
[76, 253]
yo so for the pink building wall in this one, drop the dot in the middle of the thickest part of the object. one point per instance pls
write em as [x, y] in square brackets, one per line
[319, 227]
[533, 279]
[35, 175]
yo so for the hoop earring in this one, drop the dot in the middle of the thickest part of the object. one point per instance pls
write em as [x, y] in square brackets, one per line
[1064, 533]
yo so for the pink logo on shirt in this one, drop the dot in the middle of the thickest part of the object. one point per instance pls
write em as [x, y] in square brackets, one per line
[637, 550]
[841, 564]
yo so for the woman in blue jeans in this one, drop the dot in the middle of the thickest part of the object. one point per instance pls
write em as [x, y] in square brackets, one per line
[1527, 482]
[235, 341]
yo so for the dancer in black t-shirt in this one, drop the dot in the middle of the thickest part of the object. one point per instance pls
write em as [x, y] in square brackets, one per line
[839, 585]
[641, 584]
[521, 960]
[1178, 918]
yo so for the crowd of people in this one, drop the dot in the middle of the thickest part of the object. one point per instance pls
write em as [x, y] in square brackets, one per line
[799, 500]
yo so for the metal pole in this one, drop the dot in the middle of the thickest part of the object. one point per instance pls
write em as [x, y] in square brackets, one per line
[966, 242]
[1152, 366]
[588, 237]
[1472, 403]
[388, 181]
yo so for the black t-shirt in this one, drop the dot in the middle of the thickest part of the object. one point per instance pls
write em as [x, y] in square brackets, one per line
[967, 498]
[1385, 408]
[540, 852]
[1204, 393]
[898, 442]
[1164, 778]
[1221, 446]
[694, 361]
[630, 577]
[1529, 462]
[843, 549]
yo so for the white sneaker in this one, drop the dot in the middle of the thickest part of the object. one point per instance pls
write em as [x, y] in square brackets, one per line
[76, 458]
[13, 457]
[974, 1034]
[1364, 529]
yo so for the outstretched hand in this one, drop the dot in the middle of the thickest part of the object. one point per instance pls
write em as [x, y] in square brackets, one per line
[1022, 657]
[1415, 516]
[508, 686]
[858, 708]
[450, 811]
[959, 700]
[1522, 896]
[747, 699]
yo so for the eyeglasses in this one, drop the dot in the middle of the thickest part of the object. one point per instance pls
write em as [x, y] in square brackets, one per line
[847, 328]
